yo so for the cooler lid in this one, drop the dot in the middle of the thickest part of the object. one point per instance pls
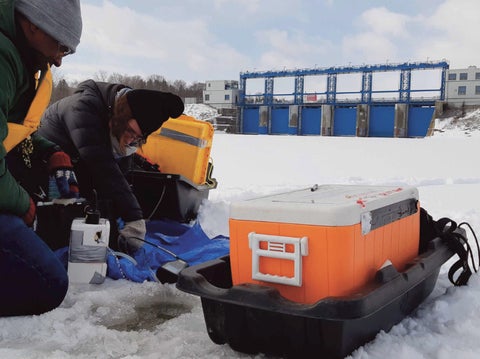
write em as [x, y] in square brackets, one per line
[326, 205]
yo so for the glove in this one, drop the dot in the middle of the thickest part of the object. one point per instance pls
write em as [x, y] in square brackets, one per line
[131, 236]
[61, 169]
[29, 216]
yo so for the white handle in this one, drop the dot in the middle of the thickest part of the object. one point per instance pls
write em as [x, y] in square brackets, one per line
[276, 248]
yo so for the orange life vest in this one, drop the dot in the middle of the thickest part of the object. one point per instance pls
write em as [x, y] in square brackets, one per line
[18, 132]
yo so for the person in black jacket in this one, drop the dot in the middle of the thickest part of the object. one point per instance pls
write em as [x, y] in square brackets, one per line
[100, 126]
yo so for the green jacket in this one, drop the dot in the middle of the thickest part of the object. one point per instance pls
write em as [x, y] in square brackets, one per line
[17, 89]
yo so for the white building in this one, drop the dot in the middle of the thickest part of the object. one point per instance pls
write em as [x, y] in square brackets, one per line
[463, 87]
[221, 94]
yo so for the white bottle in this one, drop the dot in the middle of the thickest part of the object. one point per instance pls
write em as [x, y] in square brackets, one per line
[87, 254]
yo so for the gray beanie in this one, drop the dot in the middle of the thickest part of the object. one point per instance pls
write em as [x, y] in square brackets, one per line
[61, 19]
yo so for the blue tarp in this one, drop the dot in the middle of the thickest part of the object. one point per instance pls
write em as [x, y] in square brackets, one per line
[189, 242]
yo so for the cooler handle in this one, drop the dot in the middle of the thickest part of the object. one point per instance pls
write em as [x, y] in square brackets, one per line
[276, 248]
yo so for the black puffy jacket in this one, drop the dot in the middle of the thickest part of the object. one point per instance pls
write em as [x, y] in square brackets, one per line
[79, 125]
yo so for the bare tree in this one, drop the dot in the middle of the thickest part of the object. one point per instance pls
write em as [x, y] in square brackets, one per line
[60, 90]
[153, 82]
[101, 76]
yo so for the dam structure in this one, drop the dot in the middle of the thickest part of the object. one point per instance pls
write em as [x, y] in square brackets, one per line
[384, 100]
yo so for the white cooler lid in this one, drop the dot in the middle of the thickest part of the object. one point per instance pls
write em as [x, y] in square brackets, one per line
[326, 205]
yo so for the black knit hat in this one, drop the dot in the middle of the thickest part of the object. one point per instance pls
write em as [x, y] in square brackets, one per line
[152, 108]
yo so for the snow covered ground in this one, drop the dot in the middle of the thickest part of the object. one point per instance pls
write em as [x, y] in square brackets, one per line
[121, 319]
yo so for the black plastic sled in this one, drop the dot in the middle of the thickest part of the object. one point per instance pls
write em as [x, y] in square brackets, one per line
[257, 319]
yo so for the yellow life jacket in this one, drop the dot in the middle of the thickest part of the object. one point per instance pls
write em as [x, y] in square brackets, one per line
[18, 132]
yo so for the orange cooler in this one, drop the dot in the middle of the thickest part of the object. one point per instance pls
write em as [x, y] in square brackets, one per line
[181, 146]
[327, 240]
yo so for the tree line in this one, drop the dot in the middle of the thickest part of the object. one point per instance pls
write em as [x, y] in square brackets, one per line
[61, 88]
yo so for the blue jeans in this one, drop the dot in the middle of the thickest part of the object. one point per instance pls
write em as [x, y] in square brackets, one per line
[32, 278]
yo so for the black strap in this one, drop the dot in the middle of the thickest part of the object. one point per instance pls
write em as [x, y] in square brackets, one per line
[446, 229]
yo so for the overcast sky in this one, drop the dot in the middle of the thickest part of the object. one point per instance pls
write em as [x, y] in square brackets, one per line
[200, 40]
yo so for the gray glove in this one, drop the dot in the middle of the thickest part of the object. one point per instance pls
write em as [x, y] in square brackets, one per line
[131, 236]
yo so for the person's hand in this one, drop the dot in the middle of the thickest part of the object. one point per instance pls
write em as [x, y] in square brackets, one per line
[29, 216]
[131, 236]
[61, 169]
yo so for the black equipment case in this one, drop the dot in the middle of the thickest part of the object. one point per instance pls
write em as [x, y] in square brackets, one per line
[163, 195]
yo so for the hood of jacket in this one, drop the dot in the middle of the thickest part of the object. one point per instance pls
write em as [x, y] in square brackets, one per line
[105, 90]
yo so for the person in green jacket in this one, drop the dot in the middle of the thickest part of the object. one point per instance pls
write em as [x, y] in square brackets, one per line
[34, 34]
